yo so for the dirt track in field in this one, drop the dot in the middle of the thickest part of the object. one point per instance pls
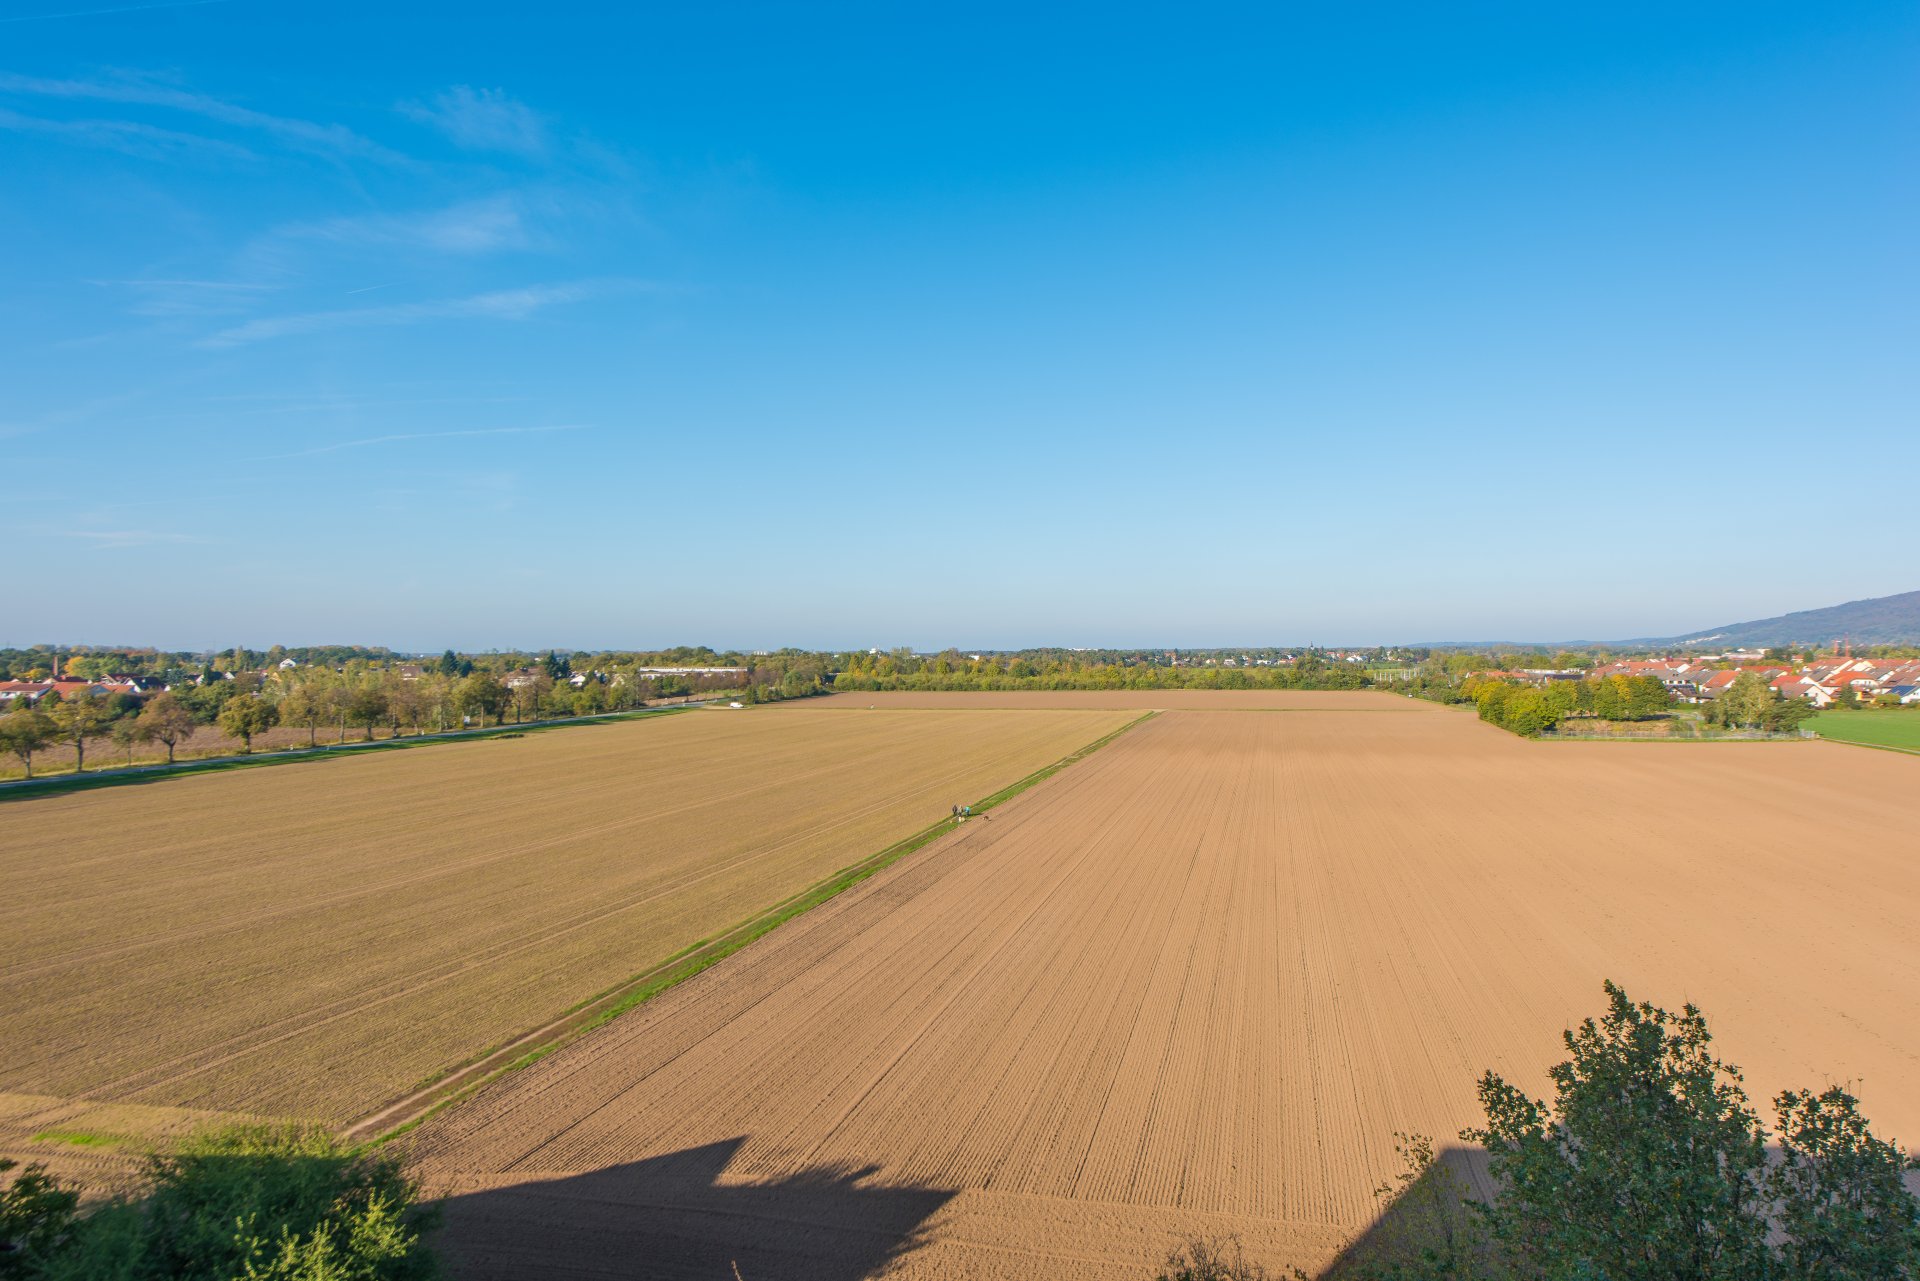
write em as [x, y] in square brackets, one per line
[315, 939]
[1194, 984]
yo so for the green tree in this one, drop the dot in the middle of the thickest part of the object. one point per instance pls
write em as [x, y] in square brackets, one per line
[1646, 697]
[482, 695]
[25, 730]
[128, 733]
[37, 1216]
[245, 716]
[259, 1203]
[1788, 714]
[304, 702]
[78, 720]
[1844, 1211]
[449, 664]
[367, 705]
[164, 720]
[1748, 701]
[1646, 1166]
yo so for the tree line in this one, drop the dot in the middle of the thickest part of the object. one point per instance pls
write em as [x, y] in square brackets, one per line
[359, 698]
[1532, 710]
[1056, 669]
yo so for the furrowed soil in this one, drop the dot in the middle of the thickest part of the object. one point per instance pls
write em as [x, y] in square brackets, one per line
[1218, 700]
[317, 939]
[1195, 983]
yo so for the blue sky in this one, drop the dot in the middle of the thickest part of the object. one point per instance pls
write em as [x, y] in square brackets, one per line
[508, 325]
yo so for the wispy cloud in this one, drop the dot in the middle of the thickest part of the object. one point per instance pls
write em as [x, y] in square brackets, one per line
[326, 139]
[103, 538]
[504, 304]
[158, 297]
[424, 435]
[129, 137]
[470, 227]
[125, 8]
[483, 120]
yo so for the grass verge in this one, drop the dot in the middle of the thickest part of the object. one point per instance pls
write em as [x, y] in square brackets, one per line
[602, 1008]
[1896, 730]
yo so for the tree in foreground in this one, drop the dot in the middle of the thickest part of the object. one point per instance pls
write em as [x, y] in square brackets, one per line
[1645, 1168]
[257, 1202]
[1649, 1165]
[36, 1220]
[1844, 1210]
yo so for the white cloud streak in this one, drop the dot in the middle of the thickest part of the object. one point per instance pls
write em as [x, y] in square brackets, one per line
[504, 304]
[424, 435]
[105, 538]
[328, 140]
[482, 120]
[125, 8]
[130, 137]
[471, 227]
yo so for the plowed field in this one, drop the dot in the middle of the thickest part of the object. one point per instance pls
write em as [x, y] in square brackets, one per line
[1193, 700]
[1195, 983]
[315, 939]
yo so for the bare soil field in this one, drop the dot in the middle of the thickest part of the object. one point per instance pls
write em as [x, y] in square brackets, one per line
[1196, 700]
[1195, 983]
[315, 939]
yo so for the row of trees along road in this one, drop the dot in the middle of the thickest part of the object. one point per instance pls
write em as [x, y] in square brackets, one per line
[361, 696]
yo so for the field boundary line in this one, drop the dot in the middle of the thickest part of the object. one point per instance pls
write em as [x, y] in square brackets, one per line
[596, 1011]
[56, 784]
[1878, 747]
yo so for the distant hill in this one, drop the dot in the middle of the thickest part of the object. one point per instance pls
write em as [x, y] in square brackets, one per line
[1885, 620]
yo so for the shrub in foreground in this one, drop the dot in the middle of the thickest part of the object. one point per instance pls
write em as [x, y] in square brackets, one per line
[256, 1202]
[1649, 1164]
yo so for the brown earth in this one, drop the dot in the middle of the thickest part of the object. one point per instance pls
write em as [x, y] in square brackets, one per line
[317, 938]
[1195, 983]
[1298, 700]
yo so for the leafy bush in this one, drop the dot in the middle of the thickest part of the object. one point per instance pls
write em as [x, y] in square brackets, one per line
[1650, 1165]
[258, 1203]
[36, 1218]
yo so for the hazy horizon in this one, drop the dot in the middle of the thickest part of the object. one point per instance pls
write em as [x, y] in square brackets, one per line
[766, 326]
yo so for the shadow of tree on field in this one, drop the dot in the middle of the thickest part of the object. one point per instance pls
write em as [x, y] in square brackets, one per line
[671, 1217]
[1432, 1212]
[1428, 1212]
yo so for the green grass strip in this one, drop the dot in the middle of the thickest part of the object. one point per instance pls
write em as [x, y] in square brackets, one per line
[643, 987]
[80, 1138]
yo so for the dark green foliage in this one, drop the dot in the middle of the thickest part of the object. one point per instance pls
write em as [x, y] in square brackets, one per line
[256, 1202]
[1428, 1228]
[1843, 1208]
[1646, 1167]
[36, 1218]
[1650, 1166]
[1530, 710]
